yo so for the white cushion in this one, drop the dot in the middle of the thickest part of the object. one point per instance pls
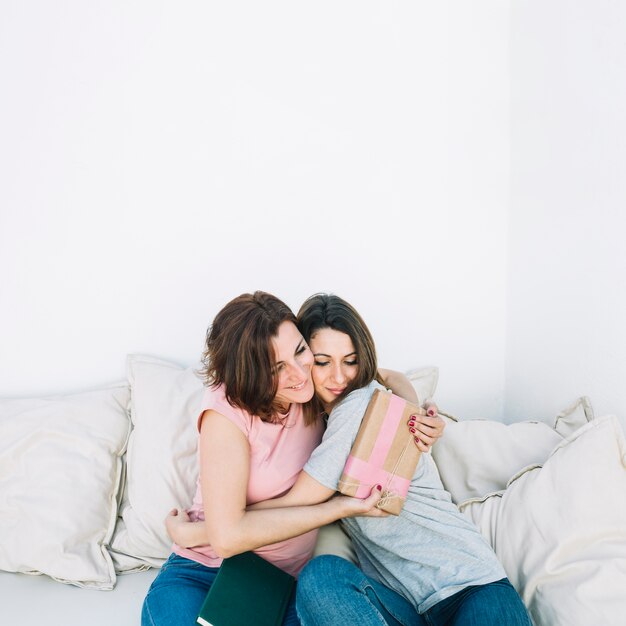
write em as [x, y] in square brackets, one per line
[569, 420]
[60, 473]
[424, 381]
[161, 460]
[479, 457]
[560, 530]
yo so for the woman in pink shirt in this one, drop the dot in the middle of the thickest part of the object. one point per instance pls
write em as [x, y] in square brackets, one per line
[256, 431]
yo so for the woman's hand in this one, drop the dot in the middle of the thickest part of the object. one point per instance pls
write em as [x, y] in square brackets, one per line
[176, 524]
[362, 507]
[426, 426]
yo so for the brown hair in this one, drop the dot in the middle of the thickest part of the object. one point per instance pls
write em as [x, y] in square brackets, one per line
[239, 352]
[323, 310]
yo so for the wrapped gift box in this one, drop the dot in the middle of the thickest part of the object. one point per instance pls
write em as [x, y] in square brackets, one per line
[383, 452]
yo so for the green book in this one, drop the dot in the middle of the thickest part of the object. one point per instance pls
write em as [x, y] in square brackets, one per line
[247, 590]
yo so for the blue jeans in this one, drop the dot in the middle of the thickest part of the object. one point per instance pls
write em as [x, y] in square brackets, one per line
[332, 591]
[178, 591]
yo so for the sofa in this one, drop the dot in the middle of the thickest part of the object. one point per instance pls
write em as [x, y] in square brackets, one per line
[87, 478]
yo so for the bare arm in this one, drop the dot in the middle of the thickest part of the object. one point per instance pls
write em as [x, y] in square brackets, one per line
[305, 491]
[399, 384]
[229, 527]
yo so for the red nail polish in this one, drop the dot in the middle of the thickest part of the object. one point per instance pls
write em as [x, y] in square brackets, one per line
[379, 487]
[412, 430]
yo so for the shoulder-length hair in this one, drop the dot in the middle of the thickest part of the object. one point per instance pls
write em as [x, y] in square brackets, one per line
[323, 310]
[239, 353]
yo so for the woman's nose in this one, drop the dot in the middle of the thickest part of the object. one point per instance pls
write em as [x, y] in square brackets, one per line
[338, 375]
[297, 369]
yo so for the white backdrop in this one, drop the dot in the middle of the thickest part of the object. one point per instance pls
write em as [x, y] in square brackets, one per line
[567, 280]
[159, 158]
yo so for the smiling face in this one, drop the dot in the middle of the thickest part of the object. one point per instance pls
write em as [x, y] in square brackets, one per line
[293, 367]
[336, 364]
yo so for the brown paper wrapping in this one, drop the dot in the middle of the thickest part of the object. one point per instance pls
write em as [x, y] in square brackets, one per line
[383, 452]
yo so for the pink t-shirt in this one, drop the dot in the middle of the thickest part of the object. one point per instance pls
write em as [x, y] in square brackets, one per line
[277, 454]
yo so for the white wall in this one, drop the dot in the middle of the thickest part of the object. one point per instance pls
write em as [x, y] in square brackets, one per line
[159, 158]
[567, 283]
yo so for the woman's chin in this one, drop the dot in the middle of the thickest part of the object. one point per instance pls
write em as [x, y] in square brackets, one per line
[306, 393]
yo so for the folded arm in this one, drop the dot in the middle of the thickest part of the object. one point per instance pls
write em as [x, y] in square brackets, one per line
[230, 527]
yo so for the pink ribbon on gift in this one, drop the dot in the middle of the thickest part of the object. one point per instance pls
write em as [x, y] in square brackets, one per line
[369, 475]
[371, 472]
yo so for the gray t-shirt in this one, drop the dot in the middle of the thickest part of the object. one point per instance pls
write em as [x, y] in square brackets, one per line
[427, 553]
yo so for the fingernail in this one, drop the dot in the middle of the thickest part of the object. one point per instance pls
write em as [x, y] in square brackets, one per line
[412, 430]
[431, 412]
[379, 487]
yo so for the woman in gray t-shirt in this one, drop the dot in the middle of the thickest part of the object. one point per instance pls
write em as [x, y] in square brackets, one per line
[428, 565]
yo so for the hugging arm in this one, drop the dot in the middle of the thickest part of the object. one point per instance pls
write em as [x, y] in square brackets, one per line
[229, 526]
[399, 384]
[306, 491]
